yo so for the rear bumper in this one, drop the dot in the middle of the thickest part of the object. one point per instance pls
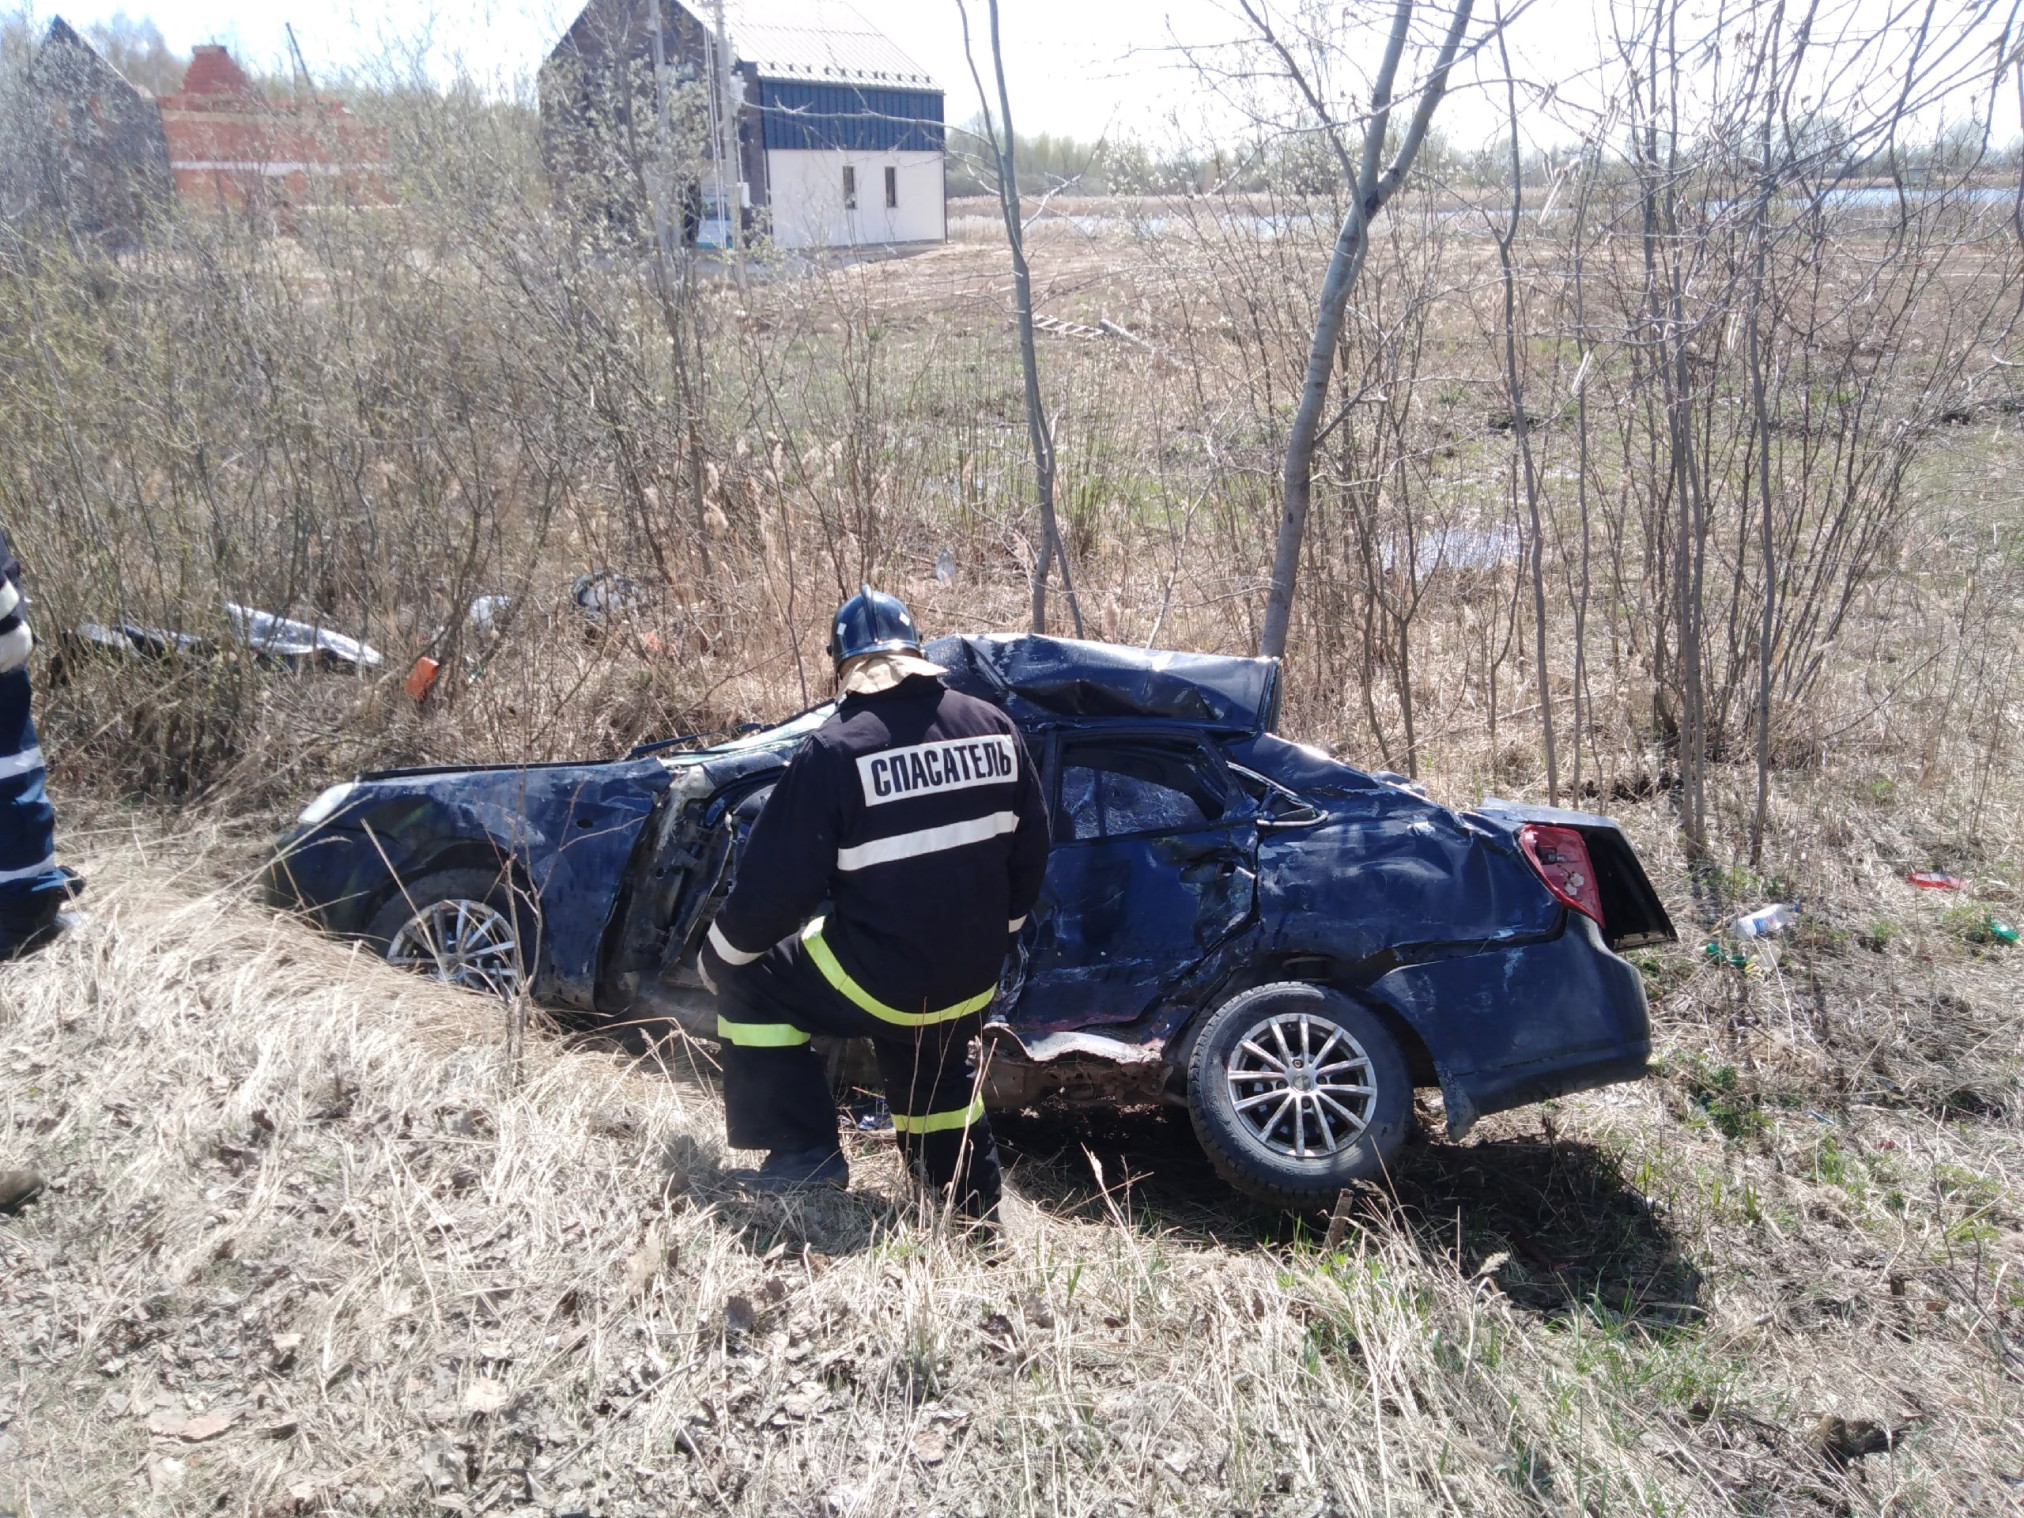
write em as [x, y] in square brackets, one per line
[1522, 1024]
[1470, 1097]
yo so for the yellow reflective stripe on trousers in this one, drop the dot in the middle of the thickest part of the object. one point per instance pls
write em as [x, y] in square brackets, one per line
[760, 1035]
[839, 978]
[939, 1122]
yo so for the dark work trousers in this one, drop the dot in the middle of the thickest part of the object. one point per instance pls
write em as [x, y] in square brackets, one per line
[32, 888]
[776, 1096]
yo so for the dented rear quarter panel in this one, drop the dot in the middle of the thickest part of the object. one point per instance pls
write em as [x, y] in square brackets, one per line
[1439, 917]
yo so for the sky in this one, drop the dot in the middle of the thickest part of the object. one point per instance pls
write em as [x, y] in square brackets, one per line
[1084, 68]
[1111, 73]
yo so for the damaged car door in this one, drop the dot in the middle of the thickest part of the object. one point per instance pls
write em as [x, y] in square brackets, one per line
[1155, 863]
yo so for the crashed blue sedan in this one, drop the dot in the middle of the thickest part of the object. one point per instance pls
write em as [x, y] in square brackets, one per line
[1232, 922]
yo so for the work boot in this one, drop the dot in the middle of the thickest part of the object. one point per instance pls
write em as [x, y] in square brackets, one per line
[799, 1170]
[18, 1188]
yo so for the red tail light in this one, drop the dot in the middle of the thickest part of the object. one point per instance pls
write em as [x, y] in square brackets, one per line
[1560, 855]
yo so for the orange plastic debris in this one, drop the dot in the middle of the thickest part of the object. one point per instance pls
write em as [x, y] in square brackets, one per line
[421, 678]
[1936, 880]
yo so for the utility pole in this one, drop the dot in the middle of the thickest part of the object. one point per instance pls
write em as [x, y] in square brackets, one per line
[660, 178]
[728, 100]
[301, 68]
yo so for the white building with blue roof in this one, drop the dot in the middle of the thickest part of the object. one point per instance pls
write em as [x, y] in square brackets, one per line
[851, 126]
[830, 136]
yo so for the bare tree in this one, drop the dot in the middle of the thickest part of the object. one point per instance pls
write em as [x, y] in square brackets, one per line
[1037, 425]
[1521, 425]
[1370, 188]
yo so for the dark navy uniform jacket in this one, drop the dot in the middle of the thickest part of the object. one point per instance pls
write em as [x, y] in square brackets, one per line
[27, 847]
[918, 814]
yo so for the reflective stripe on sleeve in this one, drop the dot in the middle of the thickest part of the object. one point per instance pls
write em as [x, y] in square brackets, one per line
[951, 835]
[939, 1122]
[1015, 924]
[731, 956]
[22, 763]
[10, 597]
[760, 1035]
[29, 871]
[840, 981]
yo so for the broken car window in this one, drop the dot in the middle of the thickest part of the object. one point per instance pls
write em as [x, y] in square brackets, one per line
[1111, 793]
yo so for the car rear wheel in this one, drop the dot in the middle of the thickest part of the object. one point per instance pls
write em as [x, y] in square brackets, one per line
[464, 927]
[1296, 1090]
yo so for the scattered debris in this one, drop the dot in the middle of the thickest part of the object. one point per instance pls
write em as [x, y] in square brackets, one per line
[1764, 922]
[1937, 880]
[272, 638]
[421, 679]
[130, 638]
[1719, 955]
[297, 644]
[604, 597]
[487, 615]
[486, 1396]
[1843, 1441]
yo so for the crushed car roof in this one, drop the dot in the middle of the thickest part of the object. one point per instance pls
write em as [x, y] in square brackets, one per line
[1038, 677]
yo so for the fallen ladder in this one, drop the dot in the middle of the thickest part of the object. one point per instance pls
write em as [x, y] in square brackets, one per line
[1061, 328]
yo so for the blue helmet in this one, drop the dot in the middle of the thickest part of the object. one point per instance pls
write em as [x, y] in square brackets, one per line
[873, 623]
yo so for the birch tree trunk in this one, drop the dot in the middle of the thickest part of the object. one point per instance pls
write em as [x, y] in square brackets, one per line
[1370, 190]
[1040, 434]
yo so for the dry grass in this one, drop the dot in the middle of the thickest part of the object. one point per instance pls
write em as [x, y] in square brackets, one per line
[311, 1201]
[316, 1244]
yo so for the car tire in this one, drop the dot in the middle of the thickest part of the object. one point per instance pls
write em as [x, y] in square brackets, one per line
[468, 927]
[1254, 1136]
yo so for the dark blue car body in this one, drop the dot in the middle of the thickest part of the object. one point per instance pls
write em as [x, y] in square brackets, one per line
[1197, 854]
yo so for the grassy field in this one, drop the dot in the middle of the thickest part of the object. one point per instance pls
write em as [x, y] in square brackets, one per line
[319, 1240]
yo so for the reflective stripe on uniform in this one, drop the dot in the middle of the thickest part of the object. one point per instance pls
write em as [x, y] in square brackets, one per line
[730, 956]
[1015, 924]
[21, 763]
[839, 980]
[951, 835]
[31, 870]
[939, 1122]
[760, 1035]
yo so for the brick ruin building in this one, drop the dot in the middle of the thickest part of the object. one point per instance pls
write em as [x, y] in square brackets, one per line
[231, 146]
[104, 158]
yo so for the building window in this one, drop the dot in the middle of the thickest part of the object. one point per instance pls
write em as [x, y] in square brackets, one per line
[849, 188]
[892, 189]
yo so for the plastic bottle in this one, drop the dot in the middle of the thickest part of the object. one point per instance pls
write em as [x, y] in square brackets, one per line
[1763, 922]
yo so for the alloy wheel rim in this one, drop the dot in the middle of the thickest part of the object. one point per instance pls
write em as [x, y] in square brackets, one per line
[464, 943]
[1302, 1086]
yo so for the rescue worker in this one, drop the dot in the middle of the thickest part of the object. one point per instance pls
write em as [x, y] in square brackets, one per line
[33, 890]
[916, 813]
